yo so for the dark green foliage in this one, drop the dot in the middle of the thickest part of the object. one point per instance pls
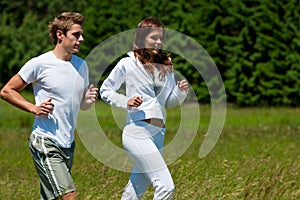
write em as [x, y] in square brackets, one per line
[254, 44]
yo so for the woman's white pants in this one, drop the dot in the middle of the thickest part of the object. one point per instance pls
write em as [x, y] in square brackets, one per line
[144, 143]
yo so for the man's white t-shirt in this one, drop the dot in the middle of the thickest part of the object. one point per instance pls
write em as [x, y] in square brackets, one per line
[62, 81]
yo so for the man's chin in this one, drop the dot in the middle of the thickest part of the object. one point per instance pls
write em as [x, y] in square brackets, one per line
[76, 50]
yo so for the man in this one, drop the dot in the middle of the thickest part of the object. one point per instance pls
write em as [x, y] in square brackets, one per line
[61, 87]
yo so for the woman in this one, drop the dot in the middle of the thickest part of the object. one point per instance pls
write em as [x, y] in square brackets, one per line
[150, 87]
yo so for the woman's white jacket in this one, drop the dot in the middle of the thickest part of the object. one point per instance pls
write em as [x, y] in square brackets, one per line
[138, 82]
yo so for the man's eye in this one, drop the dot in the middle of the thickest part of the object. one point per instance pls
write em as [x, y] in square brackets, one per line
[77, 35]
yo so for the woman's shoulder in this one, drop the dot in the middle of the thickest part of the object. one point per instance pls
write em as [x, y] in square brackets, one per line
[127, 60]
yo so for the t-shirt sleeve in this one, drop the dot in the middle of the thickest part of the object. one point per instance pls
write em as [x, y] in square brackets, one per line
[86, 75]
[29, 71]
[81, 66]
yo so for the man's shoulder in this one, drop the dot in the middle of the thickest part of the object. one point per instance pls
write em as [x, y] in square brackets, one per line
[47, 54]
[78, 63]
[39, 59]
[77, 60]
[74, 56]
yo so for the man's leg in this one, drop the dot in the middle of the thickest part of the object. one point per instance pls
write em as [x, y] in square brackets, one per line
[53, 165]
[70, 196]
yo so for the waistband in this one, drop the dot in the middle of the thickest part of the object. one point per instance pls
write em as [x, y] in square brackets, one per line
[155, 122]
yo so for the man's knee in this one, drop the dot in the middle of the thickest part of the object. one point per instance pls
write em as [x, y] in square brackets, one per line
[70, 196]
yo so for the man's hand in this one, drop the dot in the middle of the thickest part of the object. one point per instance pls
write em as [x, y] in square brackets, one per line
[90, 97]
[45, 108]
[91, 94]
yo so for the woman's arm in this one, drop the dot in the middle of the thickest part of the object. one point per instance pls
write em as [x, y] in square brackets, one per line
[178, 94]
[110, 86]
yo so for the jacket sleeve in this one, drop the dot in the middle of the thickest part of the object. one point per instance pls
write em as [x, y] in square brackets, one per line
[176, 97]
[110, 86]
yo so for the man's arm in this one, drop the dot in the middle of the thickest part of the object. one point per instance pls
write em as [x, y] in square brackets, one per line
[11, 93]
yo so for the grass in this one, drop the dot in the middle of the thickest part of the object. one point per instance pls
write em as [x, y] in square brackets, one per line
[256, 157]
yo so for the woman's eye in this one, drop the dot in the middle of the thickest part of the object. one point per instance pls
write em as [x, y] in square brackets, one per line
[155, 38]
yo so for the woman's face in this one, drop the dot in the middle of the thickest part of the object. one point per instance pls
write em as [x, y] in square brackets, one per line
[154, 39]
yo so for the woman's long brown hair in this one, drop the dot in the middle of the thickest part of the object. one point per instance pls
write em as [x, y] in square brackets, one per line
[150, 60]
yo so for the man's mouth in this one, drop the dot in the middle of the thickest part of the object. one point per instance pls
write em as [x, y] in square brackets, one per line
[77, 46]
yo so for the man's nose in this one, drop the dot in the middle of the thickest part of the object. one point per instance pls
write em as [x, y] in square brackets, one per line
[81, 39]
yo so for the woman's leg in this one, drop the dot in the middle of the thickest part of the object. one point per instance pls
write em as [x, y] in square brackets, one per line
[136, 186]
[143, 142]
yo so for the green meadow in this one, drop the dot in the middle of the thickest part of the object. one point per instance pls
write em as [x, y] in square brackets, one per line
[256, 157]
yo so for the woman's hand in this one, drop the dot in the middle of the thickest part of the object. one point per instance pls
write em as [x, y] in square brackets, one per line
[183, 86]
[135, 101]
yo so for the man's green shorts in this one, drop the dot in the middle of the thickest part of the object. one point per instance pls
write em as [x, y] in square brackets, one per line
[53, 165]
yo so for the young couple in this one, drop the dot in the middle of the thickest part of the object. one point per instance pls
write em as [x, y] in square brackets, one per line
[61, 87]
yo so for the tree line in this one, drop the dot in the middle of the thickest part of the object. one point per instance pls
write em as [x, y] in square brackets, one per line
[254, 44]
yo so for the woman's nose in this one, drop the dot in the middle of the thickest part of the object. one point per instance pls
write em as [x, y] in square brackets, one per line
[158, 41]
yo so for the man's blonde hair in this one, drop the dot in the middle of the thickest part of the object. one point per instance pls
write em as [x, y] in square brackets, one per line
[64, 22]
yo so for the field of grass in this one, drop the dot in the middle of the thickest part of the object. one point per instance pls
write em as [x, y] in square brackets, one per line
[256, 157]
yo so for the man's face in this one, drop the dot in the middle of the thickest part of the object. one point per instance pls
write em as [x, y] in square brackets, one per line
[73, 38]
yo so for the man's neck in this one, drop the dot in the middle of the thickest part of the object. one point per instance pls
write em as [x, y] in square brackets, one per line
[62, 54]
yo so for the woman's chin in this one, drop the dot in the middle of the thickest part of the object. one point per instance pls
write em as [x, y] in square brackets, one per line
[155, 51]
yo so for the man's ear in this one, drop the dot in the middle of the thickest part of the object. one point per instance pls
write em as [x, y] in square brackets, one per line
[59, 35]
